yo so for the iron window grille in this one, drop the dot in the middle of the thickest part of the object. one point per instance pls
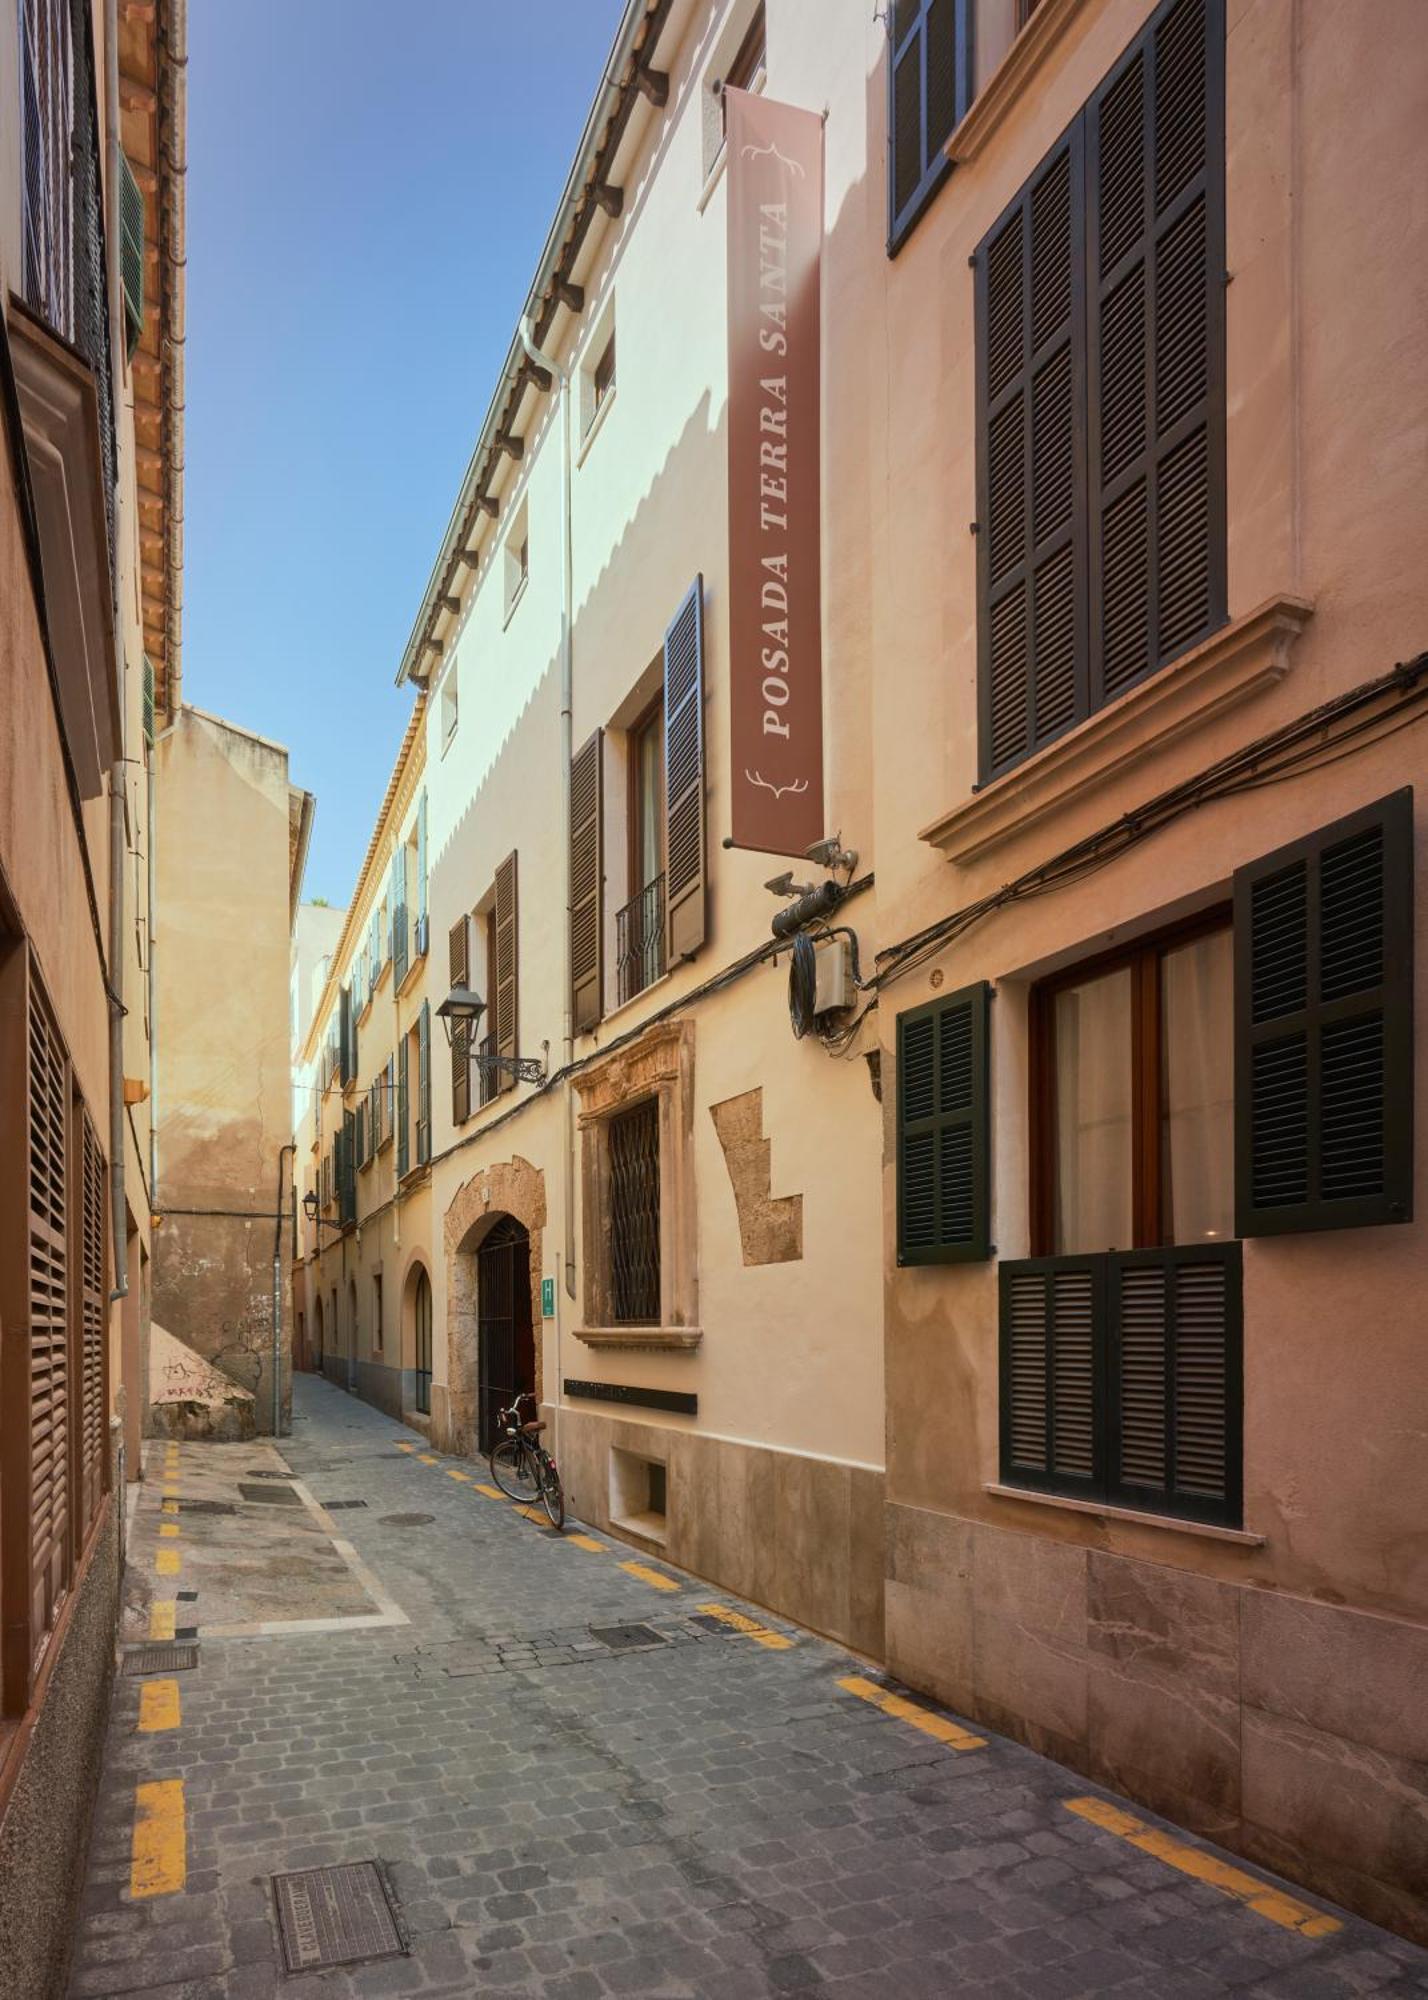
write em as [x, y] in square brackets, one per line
[639, 940]
[635, 1215]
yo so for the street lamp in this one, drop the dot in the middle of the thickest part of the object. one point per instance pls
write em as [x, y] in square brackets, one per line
[309, 1209]
[461, 1004]
[464, 1007]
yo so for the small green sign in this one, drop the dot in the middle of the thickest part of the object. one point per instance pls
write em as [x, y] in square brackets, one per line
[547, 1298]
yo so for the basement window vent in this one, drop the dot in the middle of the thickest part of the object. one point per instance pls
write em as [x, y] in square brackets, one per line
[639, 1501]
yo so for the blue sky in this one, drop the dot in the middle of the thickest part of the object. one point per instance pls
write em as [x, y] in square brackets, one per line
[369, 188]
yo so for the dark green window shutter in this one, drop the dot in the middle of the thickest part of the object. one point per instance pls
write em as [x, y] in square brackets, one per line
[403, 1143]
[398, 900]
[1155, 169]
[506, 998]
[346, 1040]
[684, 877]
[148, 701]
[943, 1130]
[1324, 1027]
[586, 874]
[421, 858]
[458, 945]
[423, 1132]
[1030, 399]
[1052, 1373]
[131, 255]
[929, 90]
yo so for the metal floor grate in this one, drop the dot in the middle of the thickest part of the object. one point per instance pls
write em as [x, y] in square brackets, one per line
[333, 1504]
[160, 1659]
[271, 1496]
[207, 1507]
[622, 1638]
[336, 1916]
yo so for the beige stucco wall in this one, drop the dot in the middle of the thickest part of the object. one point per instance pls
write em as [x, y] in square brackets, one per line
[224, 1102]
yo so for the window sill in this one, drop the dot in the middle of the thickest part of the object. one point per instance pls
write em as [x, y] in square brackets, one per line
[1234, 663]
[595, 426]
[413, 973]
[1205, 1530]
[672, 1339]
[628, 1006]
[1028, 55]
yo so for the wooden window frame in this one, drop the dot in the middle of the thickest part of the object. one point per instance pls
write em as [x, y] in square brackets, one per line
[902, 221]
[650, 717]
[1143, 957]
[750, 59]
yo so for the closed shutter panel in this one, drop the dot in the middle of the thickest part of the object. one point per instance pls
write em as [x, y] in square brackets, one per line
[93, 1401]
[586, 879]
[459, 952]
[49, 1385]
[346, 1039]
[684, 776]
[421, 859]
[929, 90]
[423, 1134]
[1031, 499]
[403, 1141]
[399, 917]
[131, 255]
[1155, 174]
[1051, 1375]
[1174, 1380]
[944, 1205]
[507, 965]
[1324, 1028]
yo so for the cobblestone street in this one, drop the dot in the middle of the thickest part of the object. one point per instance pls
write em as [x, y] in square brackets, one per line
[396, 1666]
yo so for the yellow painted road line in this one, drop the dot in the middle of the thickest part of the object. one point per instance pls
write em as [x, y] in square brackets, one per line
[168, 1530]
[587, 1542]
[1248, 1889]
[406, 1447]
[161, 1618]
[159, 1863]
[454, 1472]
[427, 1459]
[896, 1705]
[158, 1705]
[169, 1507]
[748, 1627]
[649, 1576]
[491, 1492]
[166, 1562]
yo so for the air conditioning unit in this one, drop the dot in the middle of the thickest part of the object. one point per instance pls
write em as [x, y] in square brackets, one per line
[833, 982]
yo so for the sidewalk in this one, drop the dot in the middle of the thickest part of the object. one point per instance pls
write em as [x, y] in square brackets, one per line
[395, 1666]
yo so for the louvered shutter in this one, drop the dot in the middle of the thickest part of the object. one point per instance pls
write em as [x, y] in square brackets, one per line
[403, 1140]
[1031, 552]
[1324, 1027]
[1052, 1373]
[131, 255]
[423, 1132]
[361, 1133]
[421, 859]
[399, 916]
[943, 1172]
[50, 1387]
[586, 883]
[684, 776]
[459, 954]
[90, 1363]
[1155, 178]
[929, 90]
[1174, 1381]
[508, 954]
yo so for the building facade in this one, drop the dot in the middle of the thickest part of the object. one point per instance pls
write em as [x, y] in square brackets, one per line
[993, 1320]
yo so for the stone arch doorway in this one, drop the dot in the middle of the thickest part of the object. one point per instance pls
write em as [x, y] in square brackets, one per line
[416, 1345]
[505, 1339]
[515, 1190]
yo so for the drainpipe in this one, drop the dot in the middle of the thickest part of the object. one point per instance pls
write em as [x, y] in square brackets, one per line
[283, 1152]
[153, 993]
[567, 751]
[118, 779]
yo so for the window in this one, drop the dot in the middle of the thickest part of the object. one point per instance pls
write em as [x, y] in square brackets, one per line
[634, 1214]
[943, 1148]
[517, 558]
[639, 926]
[604, 375]
[738, 62]
[747, 67]
[1101, 396]
[421, 1344]
[450, 705]
[929, 90]
[488, 1075]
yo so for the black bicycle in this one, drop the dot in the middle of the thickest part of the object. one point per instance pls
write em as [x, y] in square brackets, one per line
[520, 1464]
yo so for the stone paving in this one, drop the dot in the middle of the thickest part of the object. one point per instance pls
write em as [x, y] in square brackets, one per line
[707, 1813]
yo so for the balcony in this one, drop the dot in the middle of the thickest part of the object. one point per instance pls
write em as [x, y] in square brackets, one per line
[639, 941]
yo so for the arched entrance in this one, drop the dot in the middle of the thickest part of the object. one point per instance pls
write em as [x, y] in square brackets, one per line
[421, 1347]
[352, 1335]
[317, 1329]
[505, 1343]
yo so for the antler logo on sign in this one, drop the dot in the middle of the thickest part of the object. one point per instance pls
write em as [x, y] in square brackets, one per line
[775, 638]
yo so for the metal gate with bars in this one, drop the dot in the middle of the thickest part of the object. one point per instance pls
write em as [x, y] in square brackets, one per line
[505, 1347]
[634, 1214]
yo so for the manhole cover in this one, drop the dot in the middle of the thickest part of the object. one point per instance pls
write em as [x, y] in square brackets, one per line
[622, 1638]
[161, 1659]
[211, 1506]
[272, 1496]
[406, 1520]
[332, 1505]
[336, 1916]
[258, 1472]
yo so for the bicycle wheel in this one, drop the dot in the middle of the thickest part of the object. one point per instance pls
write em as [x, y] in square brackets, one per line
[514, 1469]
[552, 1493]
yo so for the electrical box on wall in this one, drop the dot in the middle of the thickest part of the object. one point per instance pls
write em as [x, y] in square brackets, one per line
[833, 983]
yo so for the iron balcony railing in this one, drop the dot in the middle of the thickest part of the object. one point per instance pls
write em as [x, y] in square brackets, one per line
[639, 940]
[489, 1076]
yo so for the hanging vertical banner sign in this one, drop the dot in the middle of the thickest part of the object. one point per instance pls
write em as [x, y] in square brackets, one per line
[775, 201]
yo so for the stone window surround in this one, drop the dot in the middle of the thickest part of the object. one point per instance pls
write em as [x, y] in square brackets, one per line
[659, 1064]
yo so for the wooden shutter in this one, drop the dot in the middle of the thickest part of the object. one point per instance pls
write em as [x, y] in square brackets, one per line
[403, 1139]
[131, 255]
[459, 952]
[51, 1391]
[1173, 1381]
[586, 883]
[421, 859]
[399, 916]
[1031, 549]
[92, 1414]
[1324, 1027]
[1052, 1311]
[943, 1152]
[508, 955]
[684, 776]
[929, 90]
[423, 1134]
[1155, 155]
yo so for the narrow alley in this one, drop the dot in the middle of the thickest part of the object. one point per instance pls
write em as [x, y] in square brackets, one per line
[579, 1773]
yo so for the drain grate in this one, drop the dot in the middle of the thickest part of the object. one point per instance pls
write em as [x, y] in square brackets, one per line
[272, 1496]
[624, 1638]
[336, 1916]
[160, 1659]
[405, 1520]
[333, 1505]
[715, 1625]
[259, 1472]
[210, 1506]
